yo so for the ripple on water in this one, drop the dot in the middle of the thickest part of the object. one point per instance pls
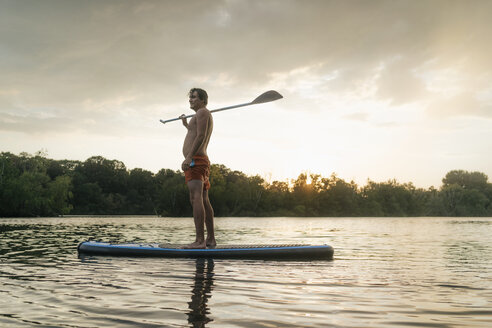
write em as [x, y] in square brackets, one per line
[387, 272]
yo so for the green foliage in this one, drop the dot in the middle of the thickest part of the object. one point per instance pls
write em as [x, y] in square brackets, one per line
[235, 194]
[26, 189]
[393, 199]
[172, 197]
[339, 198]
[59, 194]
[465, 194]
[466, 180]
[33, 185]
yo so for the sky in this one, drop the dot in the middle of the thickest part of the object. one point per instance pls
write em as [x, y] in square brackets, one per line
[373, 90]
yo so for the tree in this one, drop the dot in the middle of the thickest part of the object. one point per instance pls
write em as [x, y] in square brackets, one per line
[60, 194]
[172, 198]
[140, 193]
[466, 194]
[394, 199]
[339, 198]
[458, 201]
[278, 200]
[102, 178]
[466, 180]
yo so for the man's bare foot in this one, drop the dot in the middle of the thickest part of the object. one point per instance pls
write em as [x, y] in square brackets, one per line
[196, 245]
[211, 243]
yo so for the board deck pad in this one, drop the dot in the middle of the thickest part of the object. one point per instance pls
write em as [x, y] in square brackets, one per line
[233, 246]
[251, 251]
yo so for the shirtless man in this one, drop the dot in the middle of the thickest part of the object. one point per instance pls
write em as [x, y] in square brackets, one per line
[196, 167]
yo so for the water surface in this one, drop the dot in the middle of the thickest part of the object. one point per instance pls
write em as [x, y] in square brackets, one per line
[387, 272]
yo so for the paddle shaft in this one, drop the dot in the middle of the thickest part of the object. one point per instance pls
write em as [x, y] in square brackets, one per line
[268, 96]
[212, 111]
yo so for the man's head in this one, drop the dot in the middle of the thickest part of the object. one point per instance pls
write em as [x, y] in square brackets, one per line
[200, 93]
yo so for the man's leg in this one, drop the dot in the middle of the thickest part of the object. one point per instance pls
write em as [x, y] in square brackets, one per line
[209, 220]
[196, 198]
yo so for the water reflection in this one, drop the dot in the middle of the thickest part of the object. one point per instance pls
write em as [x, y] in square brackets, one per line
[201, 292]
[431, 272]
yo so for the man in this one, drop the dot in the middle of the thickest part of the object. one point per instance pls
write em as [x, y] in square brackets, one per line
[196, 167]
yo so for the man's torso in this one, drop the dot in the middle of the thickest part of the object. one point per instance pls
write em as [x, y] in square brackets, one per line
[192, 134]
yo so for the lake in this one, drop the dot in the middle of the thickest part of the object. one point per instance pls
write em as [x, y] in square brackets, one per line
[386, 272]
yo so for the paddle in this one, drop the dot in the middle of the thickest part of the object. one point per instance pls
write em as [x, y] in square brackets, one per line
[268, 96]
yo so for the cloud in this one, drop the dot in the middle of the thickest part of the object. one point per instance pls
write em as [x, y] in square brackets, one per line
[398, 83]
[93, 60]
[464, 104]
[359, 116]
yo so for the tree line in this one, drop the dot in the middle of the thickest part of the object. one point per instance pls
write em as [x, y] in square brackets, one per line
[34, 185]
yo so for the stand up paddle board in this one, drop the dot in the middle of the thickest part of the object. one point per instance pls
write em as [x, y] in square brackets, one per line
[298, 252]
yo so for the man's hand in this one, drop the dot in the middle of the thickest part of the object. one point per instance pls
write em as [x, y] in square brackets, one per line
[184, 120]
[186, 164]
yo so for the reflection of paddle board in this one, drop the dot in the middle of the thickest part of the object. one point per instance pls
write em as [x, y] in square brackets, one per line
[298, 252]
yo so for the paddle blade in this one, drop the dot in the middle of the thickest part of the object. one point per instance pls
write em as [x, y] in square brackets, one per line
[268, 96]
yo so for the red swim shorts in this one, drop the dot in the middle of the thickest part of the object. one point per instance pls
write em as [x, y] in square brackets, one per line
[199, 171]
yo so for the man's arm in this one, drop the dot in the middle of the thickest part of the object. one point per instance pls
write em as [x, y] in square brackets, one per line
[184, 120]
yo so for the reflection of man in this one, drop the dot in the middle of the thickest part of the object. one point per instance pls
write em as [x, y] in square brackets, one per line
[202, 291]
[196, 167]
